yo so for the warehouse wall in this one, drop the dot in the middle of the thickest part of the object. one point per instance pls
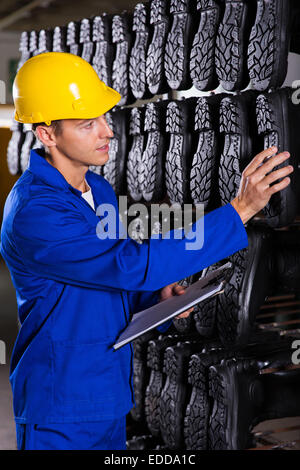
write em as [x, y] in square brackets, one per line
[6, 179]
[9, 56]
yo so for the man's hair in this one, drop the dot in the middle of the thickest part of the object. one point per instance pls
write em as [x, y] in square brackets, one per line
[57, 126]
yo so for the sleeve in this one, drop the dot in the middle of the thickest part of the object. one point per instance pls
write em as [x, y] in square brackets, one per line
[55, 241]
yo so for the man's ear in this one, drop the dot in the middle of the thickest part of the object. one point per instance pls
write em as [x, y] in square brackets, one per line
[46, 135]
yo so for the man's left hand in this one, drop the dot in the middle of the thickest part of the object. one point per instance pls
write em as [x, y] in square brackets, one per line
[175, 289]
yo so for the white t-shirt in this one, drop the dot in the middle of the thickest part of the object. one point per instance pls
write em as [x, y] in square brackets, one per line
[88, 196]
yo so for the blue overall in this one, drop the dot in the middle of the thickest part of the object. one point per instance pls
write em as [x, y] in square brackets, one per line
[76, 292]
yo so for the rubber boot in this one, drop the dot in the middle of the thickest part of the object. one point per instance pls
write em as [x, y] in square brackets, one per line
[232, 43]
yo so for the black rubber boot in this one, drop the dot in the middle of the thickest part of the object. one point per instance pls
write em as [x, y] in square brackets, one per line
[246, 289]
[179, 43]
[151, 172]
[14, 147]
[114, 169]
[198, 411]
[60, 39]
[155, 67]
[103, 55]
[241, 141]
[202, 58]
[24, 49]
[205, 163]
[155, 359]
[121, 37]
[232, 43]
[136, 131]
[180, 124]
[185, 325]
[25, 151]
[277, 119]
[138, 53]
[33, 43]
[205, 313]
[248, 391]
[270, 41]
[73, 44]
[141, 374]
[176, 391]
[85, 39]
[45, 41]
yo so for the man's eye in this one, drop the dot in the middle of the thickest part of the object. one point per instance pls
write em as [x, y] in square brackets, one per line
[90, 124]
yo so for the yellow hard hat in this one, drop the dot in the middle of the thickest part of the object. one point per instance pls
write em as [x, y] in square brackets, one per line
[60, 85]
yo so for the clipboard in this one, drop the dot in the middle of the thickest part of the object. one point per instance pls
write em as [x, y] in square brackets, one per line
[145, 320]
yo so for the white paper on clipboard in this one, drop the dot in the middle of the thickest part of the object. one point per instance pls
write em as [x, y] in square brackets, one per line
[145, 320]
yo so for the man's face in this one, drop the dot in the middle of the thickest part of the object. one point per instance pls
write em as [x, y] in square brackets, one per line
[85, 140]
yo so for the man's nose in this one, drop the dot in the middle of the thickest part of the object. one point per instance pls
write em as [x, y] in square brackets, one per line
[104, 129]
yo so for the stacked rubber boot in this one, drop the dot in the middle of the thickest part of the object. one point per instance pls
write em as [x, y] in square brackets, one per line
[102, 58]
[73, 31]
[155, 66]
[114, 170]
[248, 390]
[274, 33]
[232, 43]
[276, 117]
[241, 141]
[179, 125]
[138, 54]
[206, 159]
[202, 56]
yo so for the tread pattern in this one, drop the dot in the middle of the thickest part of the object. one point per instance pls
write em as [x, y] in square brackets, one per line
[267, 127]
[155, 72]
[25, 151]
[176, 51]
[72, 38]
[24, 49]
[59, 39]
[202, 57]
[197, 412]
[135, 154]
[153, 184]
[203, 175]
[14, 147]
[205, 312]
[176, 167]
[229, 169]
[184, 325]
[85, 40]
[155, 357]
[120, 79]
[229, 53]
[264, 48]
[137, 60]
[103, 56]
[173, 396]
[218, 419]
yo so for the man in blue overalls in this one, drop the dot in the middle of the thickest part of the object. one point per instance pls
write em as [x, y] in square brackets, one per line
[76, 292]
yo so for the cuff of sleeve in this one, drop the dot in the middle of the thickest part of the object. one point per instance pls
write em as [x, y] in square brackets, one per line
[243, 232]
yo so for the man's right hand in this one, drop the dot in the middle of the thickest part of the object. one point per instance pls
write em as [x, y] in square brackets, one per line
[255, 190]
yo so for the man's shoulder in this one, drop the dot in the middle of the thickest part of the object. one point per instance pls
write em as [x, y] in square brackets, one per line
[30, 192]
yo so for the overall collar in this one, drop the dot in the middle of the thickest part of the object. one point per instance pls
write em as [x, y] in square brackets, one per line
[39, 166]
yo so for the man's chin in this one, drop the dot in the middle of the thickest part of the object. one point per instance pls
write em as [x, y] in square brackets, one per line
[101, 160]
